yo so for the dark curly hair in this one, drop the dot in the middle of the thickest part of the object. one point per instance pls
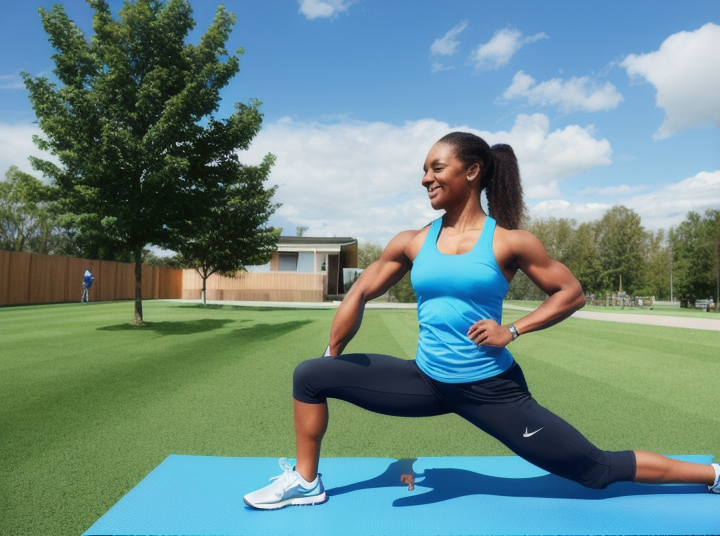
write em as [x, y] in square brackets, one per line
[499, 175]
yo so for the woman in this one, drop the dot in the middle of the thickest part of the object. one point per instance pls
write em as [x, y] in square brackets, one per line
[461, 264]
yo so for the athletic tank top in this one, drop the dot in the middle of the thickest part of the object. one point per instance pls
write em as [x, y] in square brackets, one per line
[453, 292]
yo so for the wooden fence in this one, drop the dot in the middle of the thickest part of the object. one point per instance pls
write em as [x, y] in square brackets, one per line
[256, 286]
[27, 278]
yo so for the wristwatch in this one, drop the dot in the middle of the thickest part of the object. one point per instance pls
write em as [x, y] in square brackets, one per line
[513, 331]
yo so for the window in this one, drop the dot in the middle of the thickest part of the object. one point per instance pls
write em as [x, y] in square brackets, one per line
[287, 262]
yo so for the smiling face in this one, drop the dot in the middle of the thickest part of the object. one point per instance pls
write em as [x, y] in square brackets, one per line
[449, 181]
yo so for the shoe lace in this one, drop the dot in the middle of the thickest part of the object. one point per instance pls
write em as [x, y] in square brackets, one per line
[287, 476]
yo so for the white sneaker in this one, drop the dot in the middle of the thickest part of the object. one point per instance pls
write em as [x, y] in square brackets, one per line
[715, 488]
[287, 489]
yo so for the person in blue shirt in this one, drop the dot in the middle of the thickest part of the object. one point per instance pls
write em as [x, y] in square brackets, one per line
[461, 265]
[87, 284]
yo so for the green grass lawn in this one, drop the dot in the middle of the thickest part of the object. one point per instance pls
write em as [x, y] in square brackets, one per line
[89, 406]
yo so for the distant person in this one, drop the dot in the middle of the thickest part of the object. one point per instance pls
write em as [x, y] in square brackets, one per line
[462, 264]
[87, 284]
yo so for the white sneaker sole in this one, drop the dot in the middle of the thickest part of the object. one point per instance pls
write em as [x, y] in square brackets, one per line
[295, 501]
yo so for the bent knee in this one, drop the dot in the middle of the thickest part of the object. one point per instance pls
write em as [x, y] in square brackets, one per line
[305, 377]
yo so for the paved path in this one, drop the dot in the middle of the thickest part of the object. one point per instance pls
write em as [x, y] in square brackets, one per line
[711, 324]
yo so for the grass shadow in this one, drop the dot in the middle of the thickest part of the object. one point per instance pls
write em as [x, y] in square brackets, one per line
[255, 308]
[263, 332]
[189, 327]
[268, 332]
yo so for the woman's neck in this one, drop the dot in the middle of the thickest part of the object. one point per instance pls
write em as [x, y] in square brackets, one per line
[466, 218]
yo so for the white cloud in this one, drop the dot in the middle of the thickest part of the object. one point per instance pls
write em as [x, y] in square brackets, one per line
[350, 179]
[363, 179]
[568, 95]
[686, 74]
[622, 189]
[669, 205]
[501, 48]
[16, 146]
[317, 9]
[663, 208]
[11, 81]
[548, 157]
[446, 46]
[559, 208]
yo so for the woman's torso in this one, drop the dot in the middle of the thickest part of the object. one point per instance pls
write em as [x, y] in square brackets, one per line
[453, 292]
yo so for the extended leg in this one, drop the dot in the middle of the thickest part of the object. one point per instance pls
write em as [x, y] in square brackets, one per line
[657, 469]
[503, 408]
[548, 441]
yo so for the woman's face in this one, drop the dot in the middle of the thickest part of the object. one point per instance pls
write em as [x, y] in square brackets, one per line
[448, 180]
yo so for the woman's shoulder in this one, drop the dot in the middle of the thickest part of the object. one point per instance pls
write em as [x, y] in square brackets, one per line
[517, 242]
[408, 243]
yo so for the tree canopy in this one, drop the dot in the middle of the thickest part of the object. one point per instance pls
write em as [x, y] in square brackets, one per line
[696, 256]
[132, 120]
[27, 216]
[682, 264]
[233, 234]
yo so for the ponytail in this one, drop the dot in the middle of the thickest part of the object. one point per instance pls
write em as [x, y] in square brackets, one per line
[500, 176]
[503, 188]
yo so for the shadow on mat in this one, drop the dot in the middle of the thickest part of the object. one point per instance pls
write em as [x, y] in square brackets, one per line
[446, 484]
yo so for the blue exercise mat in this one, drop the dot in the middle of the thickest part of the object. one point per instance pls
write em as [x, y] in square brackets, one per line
[201, 495]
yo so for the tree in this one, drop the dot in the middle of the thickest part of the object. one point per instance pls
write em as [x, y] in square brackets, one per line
[132, 122]
[402, 291]
[583, 259]
[522, 288]
[27, 220]
[556, 235]
[368, 253]
[622, 247]
[695, 270]
[234, 233]
[657, 269]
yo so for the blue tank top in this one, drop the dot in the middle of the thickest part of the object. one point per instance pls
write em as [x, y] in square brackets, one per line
[453, 292]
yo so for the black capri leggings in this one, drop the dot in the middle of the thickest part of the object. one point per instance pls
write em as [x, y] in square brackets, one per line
[501, 406]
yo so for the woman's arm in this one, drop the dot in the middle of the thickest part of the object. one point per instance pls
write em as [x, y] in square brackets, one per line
[565, 294]
[375, 280]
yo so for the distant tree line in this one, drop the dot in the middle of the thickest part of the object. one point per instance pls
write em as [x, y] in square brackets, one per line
[616, 253]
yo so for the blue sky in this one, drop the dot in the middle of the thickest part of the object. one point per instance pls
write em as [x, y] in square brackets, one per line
[605, 103]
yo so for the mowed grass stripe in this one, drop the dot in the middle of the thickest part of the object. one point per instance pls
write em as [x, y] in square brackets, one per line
[664, 365]
[89, 406]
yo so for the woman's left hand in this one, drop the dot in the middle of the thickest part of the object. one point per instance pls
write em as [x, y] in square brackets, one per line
[489, 333]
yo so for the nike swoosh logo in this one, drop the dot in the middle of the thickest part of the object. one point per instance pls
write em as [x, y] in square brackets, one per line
[530, 434]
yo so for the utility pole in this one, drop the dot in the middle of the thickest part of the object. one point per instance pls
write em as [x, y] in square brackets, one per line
[671, 268]
[717, 270]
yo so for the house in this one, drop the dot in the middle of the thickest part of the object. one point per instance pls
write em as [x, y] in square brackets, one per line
[303, 269]
[336, 258]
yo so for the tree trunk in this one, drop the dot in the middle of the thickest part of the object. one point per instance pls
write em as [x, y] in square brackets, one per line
[138, 320]
[204, 289]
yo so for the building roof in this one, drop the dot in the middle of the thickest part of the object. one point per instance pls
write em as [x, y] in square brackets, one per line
[316, 241]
